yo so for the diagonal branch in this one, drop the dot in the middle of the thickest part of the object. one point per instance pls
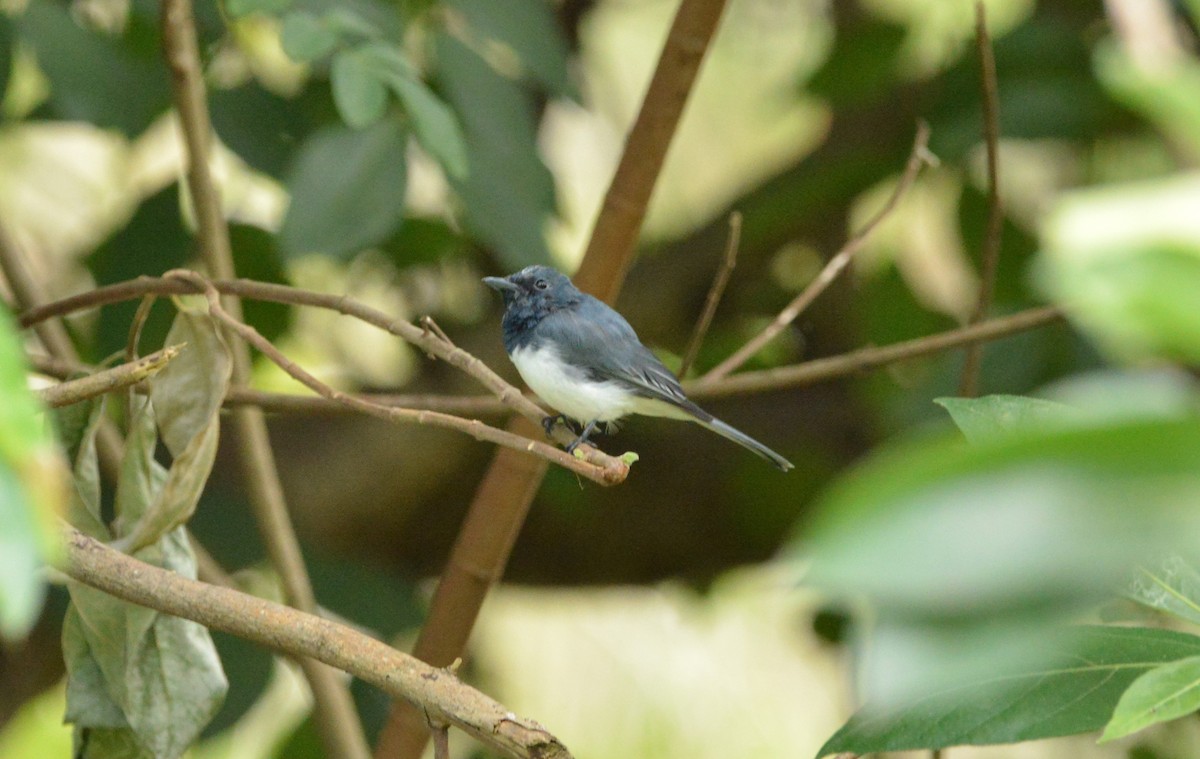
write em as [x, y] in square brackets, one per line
[426, 340]
[108, 380]
[304, 635]
[473, 427]
[995, 212]
[714, 294]
[502, 500]
[919, 156]
[337, 720]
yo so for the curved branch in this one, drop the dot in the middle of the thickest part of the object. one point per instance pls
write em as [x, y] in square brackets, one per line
[427, 340]
[300, 634]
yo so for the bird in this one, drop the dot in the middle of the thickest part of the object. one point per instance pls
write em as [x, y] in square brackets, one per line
[583, 359]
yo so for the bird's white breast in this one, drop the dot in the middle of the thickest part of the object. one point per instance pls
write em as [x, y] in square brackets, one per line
[568, 390]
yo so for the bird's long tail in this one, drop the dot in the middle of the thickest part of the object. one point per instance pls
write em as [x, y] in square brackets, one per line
[744, 440]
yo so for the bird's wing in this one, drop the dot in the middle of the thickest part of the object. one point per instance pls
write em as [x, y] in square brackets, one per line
[597, 338]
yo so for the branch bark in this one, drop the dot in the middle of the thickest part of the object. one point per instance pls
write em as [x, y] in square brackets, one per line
[438, 692]
[969, 386]
[333, 708]
[108, 380]
[502, 501]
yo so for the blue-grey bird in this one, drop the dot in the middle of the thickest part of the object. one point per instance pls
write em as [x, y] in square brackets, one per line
[584, 359]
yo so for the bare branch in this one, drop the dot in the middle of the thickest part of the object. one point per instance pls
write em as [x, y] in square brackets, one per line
[425, 339]
[337, 720]
[714, 293]
[108, 380]
[969, 386]
[502, 500]
[919, 156]
[300, 634]
[822, 369]
[473, 427]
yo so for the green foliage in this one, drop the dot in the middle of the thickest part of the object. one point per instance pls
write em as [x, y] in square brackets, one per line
[30, 491]
[359, 94]
[256, 256]
[993, 415]
[114, 82]
[508, 195]
[307, 37]
[142, 683]
[1074, 691]
[347, 190]
[1164, 693]
[1171, 585]
[237, 8]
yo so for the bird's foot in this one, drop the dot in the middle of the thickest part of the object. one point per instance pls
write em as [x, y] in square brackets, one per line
[583, 436]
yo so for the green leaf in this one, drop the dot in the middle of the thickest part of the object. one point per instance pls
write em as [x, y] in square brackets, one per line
[521, 39]
[992, 415]
[305, 37]
[111, 81]
[131, 667]
[508, 194]
[1012, 519]
[1125, 263]
[78, 425]
[348, 189]
[1074, 693]
[434, 124]
[32, 490]
[956, 542]
[1171, 586]
[185, 398]
[1164, 693]
[1167, 95]
[239, 8]
[358, 92]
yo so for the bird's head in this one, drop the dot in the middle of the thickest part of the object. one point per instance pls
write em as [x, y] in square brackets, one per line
[536, 288]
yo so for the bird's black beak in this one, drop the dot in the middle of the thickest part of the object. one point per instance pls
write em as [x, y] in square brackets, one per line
[500, 284]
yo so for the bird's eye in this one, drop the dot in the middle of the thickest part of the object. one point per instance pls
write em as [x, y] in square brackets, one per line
[541, 284]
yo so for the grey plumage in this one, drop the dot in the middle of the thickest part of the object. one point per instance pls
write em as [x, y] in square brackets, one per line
[583, 358]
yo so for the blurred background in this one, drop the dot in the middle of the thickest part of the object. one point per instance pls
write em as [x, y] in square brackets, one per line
[652, 619]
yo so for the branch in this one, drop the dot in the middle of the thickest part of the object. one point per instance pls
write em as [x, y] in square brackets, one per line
[292, 632]
[108, 380]
[337, 720]
[473, 427]
[502, 500]
[615, 233]
[995, 218]
[853, 362]
[714, 293]
[919, 156]
[426, 340]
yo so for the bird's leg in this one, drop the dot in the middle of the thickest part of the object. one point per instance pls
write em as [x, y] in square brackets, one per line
[583, 436]
[548, 423]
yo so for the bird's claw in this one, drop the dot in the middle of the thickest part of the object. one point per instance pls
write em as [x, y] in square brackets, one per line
[548, 423]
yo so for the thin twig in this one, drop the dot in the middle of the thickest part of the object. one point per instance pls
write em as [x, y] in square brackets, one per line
[292, 632]
[868, 358]
[714, 293]
[969, 386]
[426, 340]
[780, 378]
[441, 742]
[472, 427]
[919, 157]
[335, 715]
[108, 380]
